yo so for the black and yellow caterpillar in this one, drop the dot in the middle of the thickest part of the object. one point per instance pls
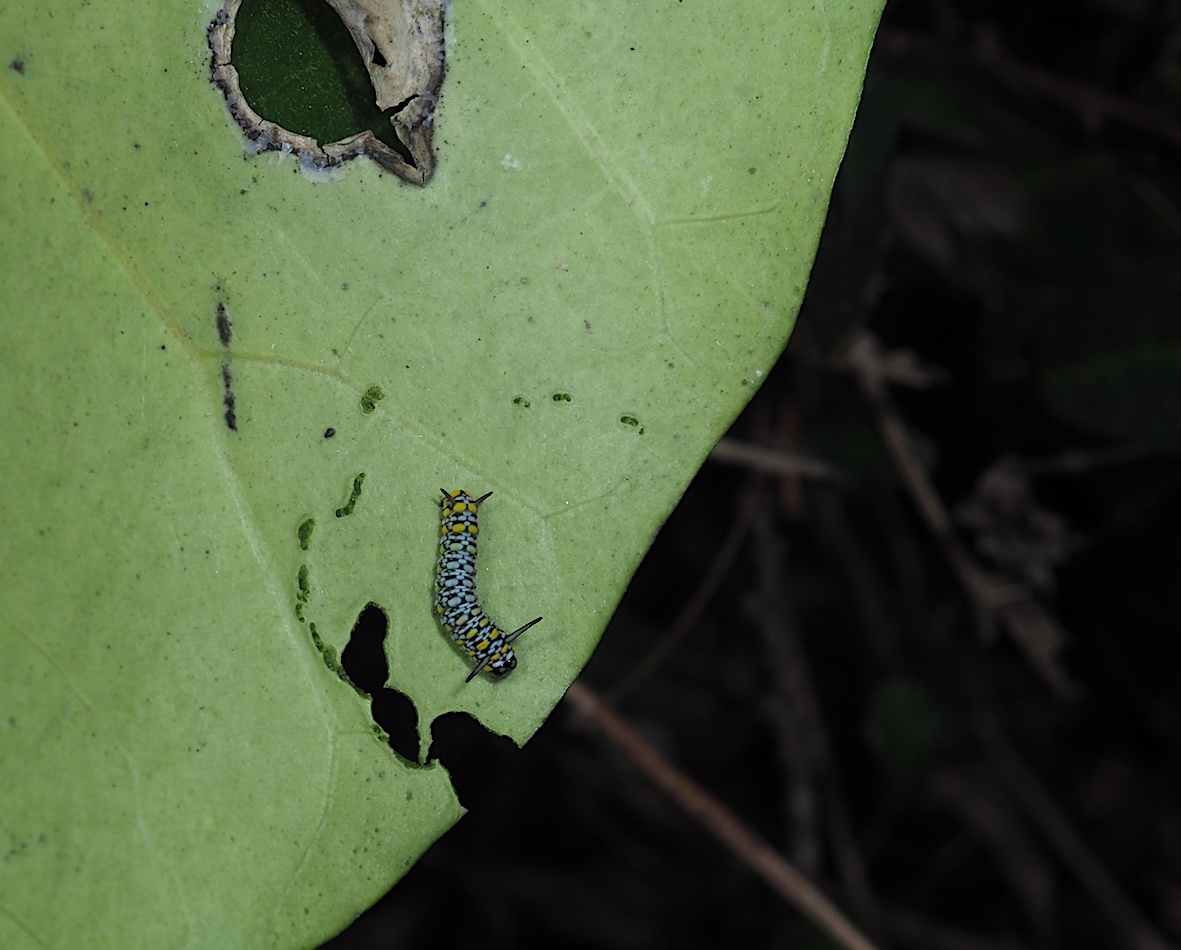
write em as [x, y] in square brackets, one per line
[456, 601]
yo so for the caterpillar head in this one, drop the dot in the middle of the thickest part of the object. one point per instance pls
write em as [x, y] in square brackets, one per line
[459, 496]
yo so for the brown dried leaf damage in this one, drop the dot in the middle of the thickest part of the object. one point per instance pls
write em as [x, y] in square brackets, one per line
[401, 43]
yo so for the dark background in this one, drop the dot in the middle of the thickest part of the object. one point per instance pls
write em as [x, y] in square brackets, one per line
[1007, 226]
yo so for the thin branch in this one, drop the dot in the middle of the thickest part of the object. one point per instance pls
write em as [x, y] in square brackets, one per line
[917, 932]
[993, 594]
[760, 459]
[793, 710]
[693, 609]
[797, 721]
[719, 821]
[1064, 839]
[1092, 104]
[1081, 461]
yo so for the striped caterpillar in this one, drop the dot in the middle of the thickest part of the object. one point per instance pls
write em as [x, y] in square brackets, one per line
[456, 601]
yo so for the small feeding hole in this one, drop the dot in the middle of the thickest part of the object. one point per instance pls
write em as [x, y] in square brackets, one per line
[370, 398]
[347, 508]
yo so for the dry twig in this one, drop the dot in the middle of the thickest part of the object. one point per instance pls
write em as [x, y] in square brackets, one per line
[758, 458]
[693, 609]
[1092, 104]
[719, 821]
[1090, 872]
[993, 594]
[805, 751]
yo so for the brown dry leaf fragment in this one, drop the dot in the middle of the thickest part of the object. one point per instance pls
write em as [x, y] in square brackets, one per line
[1012, 529]
[938, 202]
[878, 366]
[988, 813]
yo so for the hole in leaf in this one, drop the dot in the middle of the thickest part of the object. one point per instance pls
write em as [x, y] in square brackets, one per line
[300, 68]
[310, 77]
[364, 661]
[475, 759]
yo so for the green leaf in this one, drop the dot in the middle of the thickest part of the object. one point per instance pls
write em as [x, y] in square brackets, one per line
[607, 262]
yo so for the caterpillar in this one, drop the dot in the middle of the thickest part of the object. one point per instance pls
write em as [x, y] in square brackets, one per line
[456, 601]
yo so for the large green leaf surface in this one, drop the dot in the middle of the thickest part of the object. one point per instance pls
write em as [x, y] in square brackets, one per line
[606, 264]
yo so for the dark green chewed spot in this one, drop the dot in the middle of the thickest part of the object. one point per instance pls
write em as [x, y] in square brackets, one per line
[352, 502]
[521, 401]
[331, 658]
[370, 398]
[305, 531]
[305, 591]
[562, 397]
[629, 420]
